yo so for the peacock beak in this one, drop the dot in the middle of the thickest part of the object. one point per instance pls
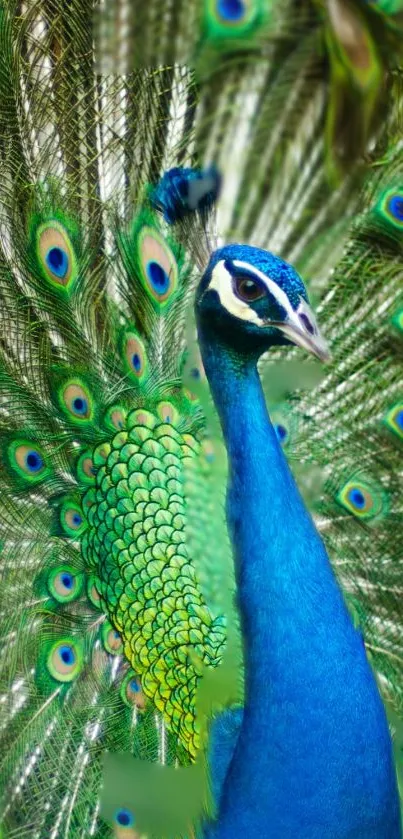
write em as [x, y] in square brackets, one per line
[314, 344]
[301, 328]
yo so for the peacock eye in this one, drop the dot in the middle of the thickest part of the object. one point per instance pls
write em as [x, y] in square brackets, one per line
[248, 290]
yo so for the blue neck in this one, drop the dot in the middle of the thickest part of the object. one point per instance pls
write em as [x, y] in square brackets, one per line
[300, 756]
[269, 525]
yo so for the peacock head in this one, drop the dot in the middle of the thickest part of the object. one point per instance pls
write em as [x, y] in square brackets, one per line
[254, 300]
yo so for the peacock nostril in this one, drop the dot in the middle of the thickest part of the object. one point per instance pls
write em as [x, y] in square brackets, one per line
[307, 323]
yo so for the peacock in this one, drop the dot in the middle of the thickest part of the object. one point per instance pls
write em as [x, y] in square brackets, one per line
[179, 658]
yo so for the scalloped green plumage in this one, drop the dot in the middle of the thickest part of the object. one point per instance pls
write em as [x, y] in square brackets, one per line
[115, 416]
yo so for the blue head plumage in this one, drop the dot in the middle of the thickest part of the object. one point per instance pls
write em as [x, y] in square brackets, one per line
[257, 300]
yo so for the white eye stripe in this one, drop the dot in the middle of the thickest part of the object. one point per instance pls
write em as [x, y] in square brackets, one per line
[272, 287]
[299, 326]
[221, 282]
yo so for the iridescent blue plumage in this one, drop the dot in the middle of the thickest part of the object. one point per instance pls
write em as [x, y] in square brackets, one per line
[231, 10]
[57, 261]
[181, 192]
[312, 757]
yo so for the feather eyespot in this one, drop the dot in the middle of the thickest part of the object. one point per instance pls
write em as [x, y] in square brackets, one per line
[72, 520]
[159, 268]
[132, 692]
[135, 356]
[86, 469]
[115, 417]
[64, 584]
[395, 207]
[112, 640]
[57, 261]
[56, 254]
[124, 818]
[192, 397]
[389, 208]
[167, 413]
[285, 425]
[93, 593]
[394, 419]
[76, 400]
[231, 11]
[208, 451]
[226, 18]
[28, 460]
[65, 660]
[141, 417]
[157, 276]
[362, 499]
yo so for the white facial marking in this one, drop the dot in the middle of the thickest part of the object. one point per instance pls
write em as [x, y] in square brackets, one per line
[221, 282]
[293, 326]
[271, 286]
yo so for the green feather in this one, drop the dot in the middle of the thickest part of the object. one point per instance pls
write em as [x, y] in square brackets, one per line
[394, 419]
[224, 21]
[55, 254]
[119, 627]
[362, 499]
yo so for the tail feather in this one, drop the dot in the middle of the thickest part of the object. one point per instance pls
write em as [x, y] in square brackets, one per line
[349, 427]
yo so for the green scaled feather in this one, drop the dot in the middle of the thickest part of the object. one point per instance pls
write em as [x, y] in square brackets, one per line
[136, 540]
